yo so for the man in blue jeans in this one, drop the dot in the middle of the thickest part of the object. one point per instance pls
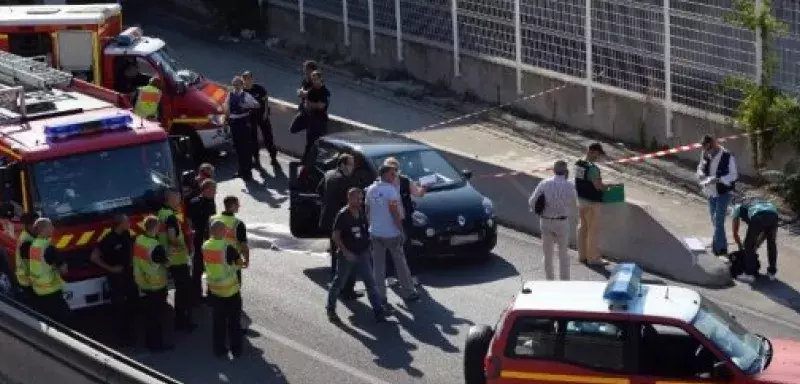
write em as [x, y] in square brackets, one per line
[717, 175]
[351, 236]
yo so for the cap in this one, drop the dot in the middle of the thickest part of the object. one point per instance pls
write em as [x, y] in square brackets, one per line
[560, 167]
[597, 147]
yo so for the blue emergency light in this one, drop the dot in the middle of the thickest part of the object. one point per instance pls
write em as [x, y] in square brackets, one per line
[624, 284]
[87, 126]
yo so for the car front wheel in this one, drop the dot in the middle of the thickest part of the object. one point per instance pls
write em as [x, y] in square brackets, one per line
[477, 345]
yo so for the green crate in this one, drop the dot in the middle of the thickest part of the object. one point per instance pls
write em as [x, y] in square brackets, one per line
[614, 194]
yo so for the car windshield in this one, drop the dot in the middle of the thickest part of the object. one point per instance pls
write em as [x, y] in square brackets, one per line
[427, 167]
[173, 68]
[741, 346]
[117, 180]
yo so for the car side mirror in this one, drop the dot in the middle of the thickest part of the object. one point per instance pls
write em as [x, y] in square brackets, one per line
[180, 88]
[467, 174]
[7, 210]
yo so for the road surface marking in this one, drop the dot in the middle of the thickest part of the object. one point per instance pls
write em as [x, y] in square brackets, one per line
[316, 355]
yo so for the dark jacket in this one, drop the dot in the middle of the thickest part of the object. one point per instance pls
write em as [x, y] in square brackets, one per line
[333, 191]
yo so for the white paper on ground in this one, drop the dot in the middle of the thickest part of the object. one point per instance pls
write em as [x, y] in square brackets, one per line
[694, 244]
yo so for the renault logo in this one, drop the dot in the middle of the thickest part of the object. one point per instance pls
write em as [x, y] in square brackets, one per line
[461, 220]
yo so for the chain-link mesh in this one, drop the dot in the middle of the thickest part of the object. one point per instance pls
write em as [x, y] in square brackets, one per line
[627, 40]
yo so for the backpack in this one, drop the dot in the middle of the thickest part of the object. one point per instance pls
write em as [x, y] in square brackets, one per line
[736, 267]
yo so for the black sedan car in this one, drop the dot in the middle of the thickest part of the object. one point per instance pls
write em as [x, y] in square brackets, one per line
[452, 219]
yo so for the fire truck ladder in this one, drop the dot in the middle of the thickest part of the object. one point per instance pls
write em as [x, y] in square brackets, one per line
[17, 70]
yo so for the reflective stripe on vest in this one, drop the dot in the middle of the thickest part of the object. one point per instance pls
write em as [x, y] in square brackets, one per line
[149, 276]
[147, 101]
[23, 269]
[220, 276]
[44, 277]
[178, 255]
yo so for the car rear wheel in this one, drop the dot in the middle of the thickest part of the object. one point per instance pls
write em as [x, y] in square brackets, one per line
[478, 340]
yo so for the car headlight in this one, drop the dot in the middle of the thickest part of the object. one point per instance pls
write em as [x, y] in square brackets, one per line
[217, 119]
[488, 206]
[419, 219]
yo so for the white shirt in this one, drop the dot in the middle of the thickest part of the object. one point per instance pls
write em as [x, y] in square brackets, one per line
[710, 189]
[560, 197]
[379, 197]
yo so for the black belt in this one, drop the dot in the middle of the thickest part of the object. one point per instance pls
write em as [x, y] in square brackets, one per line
[555, 218]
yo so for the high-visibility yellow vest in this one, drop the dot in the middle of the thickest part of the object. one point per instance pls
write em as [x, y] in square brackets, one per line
[220, 276]
[149, 276]
[23, 266]
[231, 223]
[45, 279]
[178, 255]
[147, 101]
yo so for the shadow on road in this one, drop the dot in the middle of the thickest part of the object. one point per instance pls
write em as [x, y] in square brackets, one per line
[462, 272]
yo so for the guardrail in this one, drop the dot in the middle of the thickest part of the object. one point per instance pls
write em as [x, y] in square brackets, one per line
[73, 349]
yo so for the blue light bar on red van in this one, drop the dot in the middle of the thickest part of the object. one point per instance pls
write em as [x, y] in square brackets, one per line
[624, 284]
[87, 126]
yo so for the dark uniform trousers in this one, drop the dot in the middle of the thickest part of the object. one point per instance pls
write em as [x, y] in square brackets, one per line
[183, 301]
[153, 306]
[240, 133]
[761, 224]
[198, 267]
[124, 301]
[226, 318]
[55, 307]
[258, 122]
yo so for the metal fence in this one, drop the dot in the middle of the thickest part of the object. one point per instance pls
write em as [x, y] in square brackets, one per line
[676, 51]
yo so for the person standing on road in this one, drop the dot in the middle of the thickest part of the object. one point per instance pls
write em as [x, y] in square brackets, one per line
[762, 221]
[173, 240]
[23, 272]
[589, 186]
[316, 109]
[386, 233]
[238, 107]
[221, 262]
[150, 273]
[236, 231]
[333, 190]
[717, 174]
[300, 121]
[260, 120]
[555, 202]
[407, 188]
[47, 267]
[201, 208]
[351, 235]
[204, 171]
[114, 254]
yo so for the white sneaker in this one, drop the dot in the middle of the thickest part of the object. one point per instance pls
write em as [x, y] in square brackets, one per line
[747, 279]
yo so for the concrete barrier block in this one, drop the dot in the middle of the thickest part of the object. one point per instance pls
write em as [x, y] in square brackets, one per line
[631, 231]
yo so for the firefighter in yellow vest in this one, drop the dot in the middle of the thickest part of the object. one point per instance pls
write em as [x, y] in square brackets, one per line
[172, 238]
[150, 273]
[46, 268]
[235, 230]
[24, 242]
[221, 261]
[148, 100]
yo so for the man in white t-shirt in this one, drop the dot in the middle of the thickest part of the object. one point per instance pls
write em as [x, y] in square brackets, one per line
[386, 231]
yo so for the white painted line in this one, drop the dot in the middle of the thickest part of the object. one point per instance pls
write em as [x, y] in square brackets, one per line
[316, 355]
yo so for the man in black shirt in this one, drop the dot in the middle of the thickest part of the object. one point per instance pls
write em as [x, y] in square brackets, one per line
[238, 228]
[260, 120]
[114, 254]
[316, 110]
[333, 191]
[201, 208]
[351, 235]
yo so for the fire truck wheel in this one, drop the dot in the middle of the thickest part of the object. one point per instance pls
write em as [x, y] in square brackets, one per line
[478, 340]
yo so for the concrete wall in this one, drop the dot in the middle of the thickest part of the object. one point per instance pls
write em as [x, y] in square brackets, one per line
[632, 231]
[617, 117]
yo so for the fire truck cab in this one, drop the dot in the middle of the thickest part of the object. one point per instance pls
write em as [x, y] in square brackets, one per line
[78, 160]
[88, 41]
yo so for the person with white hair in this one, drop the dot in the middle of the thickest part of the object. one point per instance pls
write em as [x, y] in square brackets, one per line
[555, 201]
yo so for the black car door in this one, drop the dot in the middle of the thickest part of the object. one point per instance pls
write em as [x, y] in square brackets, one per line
[304, 201]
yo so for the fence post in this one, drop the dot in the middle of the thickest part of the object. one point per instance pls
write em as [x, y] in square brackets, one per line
[759, 47]
[346, 22]
[371, 12]
[456, 53]
[302, 15]
[589, 64]
[667, 71]
[399, 23]
[518, 33]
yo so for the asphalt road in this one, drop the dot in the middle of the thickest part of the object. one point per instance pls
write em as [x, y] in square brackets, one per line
[291, 340]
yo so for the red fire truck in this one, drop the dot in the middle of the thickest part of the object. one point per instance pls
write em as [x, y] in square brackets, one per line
[69, 152]
[88, 41]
